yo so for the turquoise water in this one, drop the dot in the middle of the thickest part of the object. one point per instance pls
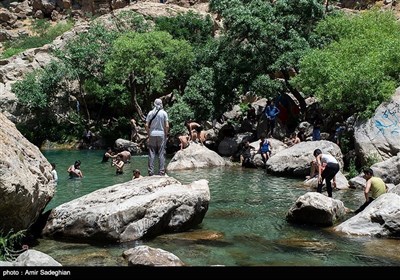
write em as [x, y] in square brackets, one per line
[244, 226]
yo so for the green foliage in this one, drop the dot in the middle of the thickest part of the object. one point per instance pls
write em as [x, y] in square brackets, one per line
[149, 61]
[178, 114]
[131, 21]
[46, 35]
[85, 57]
[40, 26]
[353, 172]
[86, 54]
[9, 244]
[38, 96]
[29, 91]
[345, 144]
[40, 87]
[359, 69]
[371, 159]
[118, 128]
[264, 86]
[260, 38]
[244, 107]
[189, 26]
[200, 94]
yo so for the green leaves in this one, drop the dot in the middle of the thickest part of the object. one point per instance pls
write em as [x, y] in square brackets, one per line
[190, 26]
[261, 38]
[148, 61]
[357, 70]
[9, 243]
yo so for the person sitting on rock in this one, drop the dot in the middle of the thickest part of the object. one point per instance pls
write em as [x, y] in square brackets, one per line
[247, 154]
[374, 187]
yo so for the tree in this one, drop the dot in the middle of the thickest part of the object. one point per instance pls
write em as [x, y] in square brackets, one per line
[200, 94]
[38, 96]
[266, 37]
[358, 68]
[146, 62]
[190, 26]
[85, 57]
[178, 114]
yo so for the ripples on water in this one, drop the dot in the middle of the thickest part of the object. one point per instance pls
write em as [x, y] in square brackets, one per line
[244, 226]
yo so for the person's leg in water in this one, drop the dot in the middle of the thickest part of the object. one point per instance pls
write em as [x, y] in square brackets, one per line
[362, 207]
[328, 174]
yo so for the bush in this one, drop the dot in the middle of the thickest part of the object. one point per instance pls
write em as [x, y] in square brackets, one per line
[9, 244]
[45, 35]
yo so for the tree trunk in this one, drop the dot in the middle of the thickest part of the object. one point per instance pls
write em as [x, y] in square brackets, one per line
[84, 102]
[294, 91]
[133, 91]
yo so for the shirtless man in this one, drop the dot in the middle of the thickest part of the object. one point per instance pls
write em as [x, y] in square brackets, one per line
[119, 164]
[193, 126]
[125, 156]
[184, 141]
[75, 170]
[202, 137]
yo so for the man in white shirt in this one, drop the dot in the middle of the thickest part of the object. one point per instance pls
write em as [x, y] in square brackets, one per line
[157, 127]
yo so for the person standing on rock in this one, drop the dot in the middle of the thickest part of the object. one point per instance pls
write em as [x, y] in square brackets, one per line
[157, 127]
[271, 112]
[328, 173]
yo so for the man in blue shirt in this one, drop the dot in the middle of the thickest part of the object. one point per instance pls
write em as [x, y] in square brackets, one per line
[271, 111]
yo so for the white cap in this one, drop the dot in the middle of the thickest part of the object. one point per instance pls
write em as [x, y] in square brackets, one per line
[158, 103]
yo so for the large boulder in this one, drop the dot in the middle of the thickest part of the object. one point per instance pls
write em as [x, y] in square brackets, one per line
[26, 183]
[195, 156]
[380, 218]
[32, 258]
[144, 207]
[295, 160]
[316, 209]
[388, 170]
[378, 137]
[35, 258]
[147, 256]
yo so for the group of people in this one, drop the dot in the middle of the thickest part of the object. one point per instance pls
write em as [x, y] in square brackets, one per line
[248, 152]
[74, 171]
[326, 167]
[195, 134]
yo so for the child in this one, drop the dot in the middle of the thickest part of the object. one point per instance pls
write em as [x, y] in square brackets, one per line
[265, 148]
[136, 174]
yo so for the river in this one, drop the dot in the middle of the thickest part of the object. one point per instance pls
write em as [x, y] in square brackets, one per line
[245, 224]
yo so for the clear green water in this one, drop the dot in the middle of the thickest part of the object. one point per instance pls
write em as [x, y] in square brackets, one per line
[247, 211]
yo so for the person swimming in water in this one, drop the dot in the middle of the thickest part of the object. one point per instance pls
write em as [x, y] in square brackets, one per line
[75, 170]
